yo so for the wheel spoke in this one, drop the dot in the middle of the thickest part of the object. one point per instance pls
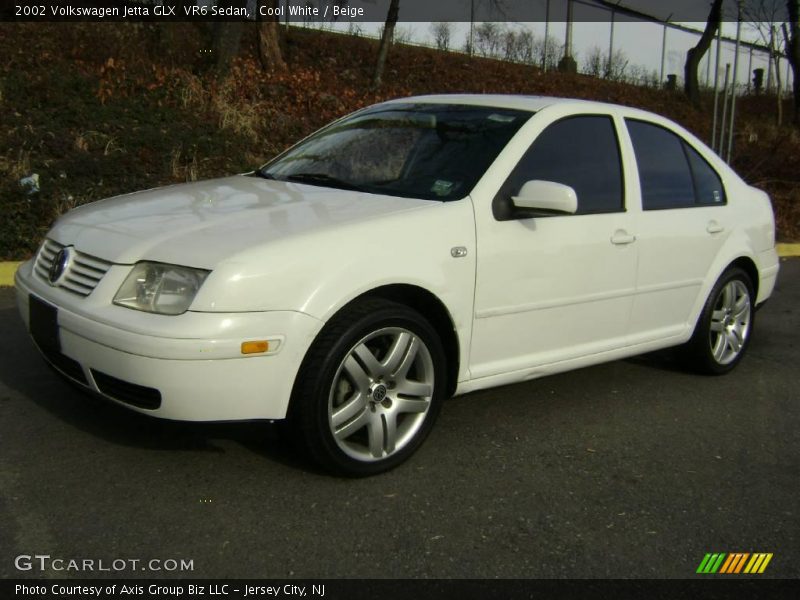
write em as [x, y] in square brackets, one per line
[734, 342]
[390, 431]
[414, 388]
[408, 405]
[742, 308]
[729, 295]
[375, 434]
[397, 353]
[356, 372]
[402, 369]
[367, 358]
[351, 427]
[719, 347]
[717, 326]
[349, 409]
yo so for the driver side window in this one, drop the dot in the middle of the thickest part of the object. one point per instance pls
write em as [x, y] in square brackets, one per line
[581, 152]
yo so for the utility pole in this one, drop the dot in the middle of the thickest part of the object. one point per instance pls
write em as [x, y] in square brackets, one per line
[664, 49]
[471, 27]
[546, 35]
[735, 77]
[610, 63]
[716, 90]
[567, 63]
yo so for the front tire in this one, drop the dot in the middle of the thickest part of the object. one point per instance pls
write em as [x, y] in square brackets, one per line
[723, 331]
[370, 388]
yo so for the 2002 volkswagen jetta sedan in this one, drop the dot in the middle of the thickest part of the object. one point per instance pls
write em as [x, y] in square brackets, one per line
[413, 250]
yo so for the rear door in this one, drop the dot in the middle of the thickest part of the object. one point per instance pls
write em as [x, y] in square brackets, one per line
[680, 229]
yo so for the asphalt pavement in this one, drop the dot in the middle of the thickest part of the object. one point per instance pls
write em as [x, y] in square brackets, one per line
[629, 469]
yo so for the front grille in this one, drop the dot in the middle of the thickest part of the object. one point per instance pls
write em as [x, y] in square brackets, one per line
[83, 273]
[66, 365]
[129, 393]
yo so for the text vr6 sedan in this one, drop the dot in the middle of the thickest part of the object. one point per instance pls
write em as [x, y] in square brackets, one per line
[413, 250]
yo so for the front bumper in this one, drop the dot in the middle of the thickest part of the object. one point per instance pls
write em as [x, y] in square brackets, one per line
[187, 367]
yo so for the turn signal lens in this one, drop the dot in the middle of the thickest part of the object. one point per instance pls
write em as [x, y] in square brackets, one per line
[255, 347]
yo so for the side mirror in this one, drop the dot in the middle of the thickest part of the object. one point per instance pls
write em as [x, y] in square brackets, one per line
[546, 198]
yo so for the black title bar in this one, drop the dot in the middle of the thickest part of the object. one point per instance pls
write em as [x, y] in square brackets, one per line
[346, 11]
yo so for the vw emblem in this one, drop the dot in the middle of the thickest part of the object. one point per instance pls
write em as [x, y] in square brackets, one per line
[379, 393]
[59, 266]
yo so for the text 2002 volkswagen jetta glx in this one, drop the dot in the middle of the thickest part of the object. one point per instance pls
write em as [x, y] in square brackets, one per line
[415, 249]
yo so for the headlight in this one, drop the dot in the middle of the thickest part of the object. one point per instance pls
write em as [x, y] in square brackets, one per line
[160, 288]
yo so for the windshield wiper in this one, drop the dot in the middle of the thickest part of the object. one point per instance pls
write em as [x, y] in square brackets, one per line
[323, 179]
[263, 174]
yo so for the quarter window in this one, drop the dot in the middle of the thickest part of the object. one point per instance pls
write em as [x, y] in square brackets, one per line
[708, 185]
[671, 173]
[581, 152]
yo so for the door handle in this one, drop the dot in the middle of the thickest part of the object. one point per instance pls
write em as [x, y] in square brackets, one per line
[714, 227]
[622, 237]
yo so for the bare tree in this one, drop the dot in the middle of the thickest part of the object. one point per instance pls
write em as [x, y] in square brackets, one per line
[442, 32]
[593, 63]
[598, 64]
[695, 55]
[547, 54]
[386, 40]
[403, 35]
[488, 39]
[763, 16]
[778, 24]
[517, 45]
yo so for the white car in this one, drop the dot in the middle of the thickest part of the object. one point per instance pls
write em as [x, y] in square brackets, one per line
[413, 250]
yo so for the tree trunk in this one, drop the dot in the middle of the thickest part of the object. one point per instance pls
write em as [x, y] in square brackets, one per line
[695, 55]
[269, 43]
[227, 37]
[793, 51]
[386, 40]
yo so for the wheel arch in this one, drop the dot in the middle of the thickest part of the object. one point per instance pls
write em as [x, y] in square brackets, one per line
[748, 266]
[744, 262]
[430, 306]
[434, 310]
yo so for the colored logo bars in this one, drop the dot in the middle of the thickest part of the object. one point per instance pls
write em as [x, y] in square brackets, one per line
[734, 563]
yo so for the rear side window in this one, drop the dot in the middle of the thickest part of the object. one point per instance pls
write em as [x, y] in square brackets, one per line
[708, 185]
[671, 173]
[581, 152]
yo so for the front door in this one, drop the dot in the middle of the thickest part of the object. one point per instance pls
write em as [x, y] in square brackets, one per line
[553, 288]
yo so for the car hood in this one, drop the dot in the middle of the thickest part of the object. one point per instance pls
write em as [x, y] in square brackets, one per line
[201, 224]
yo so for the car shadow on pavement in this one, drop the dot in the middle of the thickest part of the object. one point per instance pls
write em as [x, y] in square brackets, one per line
[24, 371]
[662, 360]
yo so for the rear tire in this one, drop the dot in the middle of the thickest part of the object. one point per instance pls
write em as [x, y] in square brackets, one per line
[370, 388]
[723, 331]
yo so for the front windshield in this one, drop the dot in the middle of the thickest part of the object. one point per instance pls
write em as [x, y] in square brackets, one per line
[428, 151]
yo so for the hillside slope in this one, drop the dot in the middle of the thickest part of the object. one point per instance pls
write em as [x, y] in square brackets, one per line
[101, 109]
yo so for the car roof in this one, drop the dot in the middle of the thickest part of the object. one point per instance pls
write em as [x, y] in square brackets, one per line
[519, 102]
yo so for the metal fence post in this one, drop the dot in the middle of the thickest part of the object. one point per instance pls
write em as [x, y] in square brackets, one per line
[716, 90]
[663, 51]
[610, 47]
[735, 77]
[546, 35]
[721, 146]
